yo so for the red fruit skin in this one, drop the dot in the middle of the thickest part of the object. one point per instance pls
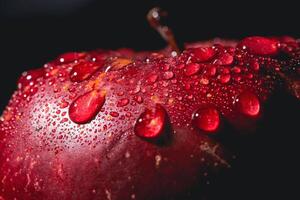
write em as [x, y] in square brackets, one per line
[47, 154]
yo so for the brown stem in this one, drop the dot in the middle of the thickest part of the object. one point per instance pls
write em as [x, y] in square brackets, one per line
[153, 17]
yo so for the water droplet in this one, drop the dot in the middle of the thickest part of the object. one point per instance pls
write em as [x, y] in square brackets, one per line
[224, 59]
[86, 106]
[70, 57]
[151, 122]
[206, 119]
[254, 65]
[191, 69]
[224, 78]
[203, 54]
[180, 66]
[114, 114]
[212, 69]
[168, 75]
[83, 70]
[122, 102]
[152, 78]
[236, 70]
[248, 104]
[165, 67]
[249, 75]
[138, 99]
[204, 81]
[259, 45]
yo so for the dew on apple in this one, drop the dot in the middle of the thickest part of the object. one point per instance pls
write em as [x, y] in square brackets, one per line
[151, 123]
[248, 104]
[63, 104]
[87, 106]
[254, 65]
[29, 77]
[123, 102]
[114, 114]
[70, 57]
[236, 70]
[168, 75]
[206, 119]
[224, 59]
[192, 69]
[212, 70]
[138, 99]
[83, 70]
[259, 46]
[203, 54]
[224, 78]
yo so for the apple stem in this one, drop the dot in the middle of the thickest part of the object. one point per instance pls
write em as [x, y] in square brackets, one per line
[153, 17]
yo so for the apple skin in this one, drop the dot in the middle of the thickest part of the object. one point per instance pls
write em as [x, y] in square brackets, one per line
[46, 155]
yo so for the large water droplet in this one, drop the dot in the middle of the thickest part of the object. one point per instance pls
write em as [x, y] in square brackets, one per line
[248, 104]
[191, 69]
[151, 123]
[203, 54]
[83, 70]
[224, 59]
[86, 106]
[259, 45]
[206, 119]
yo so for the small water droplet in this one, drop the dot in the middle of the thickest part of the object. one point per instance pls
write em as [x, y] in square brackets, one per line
[114, 114]
[236, 70]
[138, 99]
[254, 65]
[87, 106]
[204, 81]
[212, 70]
[224, 78]
[206, 119]
[122, 102]
[168, 75]
[152, 78]
[151, 122]
[248, 104]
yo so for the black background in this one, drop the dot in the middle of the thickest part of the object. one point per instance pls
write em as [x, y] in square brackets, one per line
[33, 33]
